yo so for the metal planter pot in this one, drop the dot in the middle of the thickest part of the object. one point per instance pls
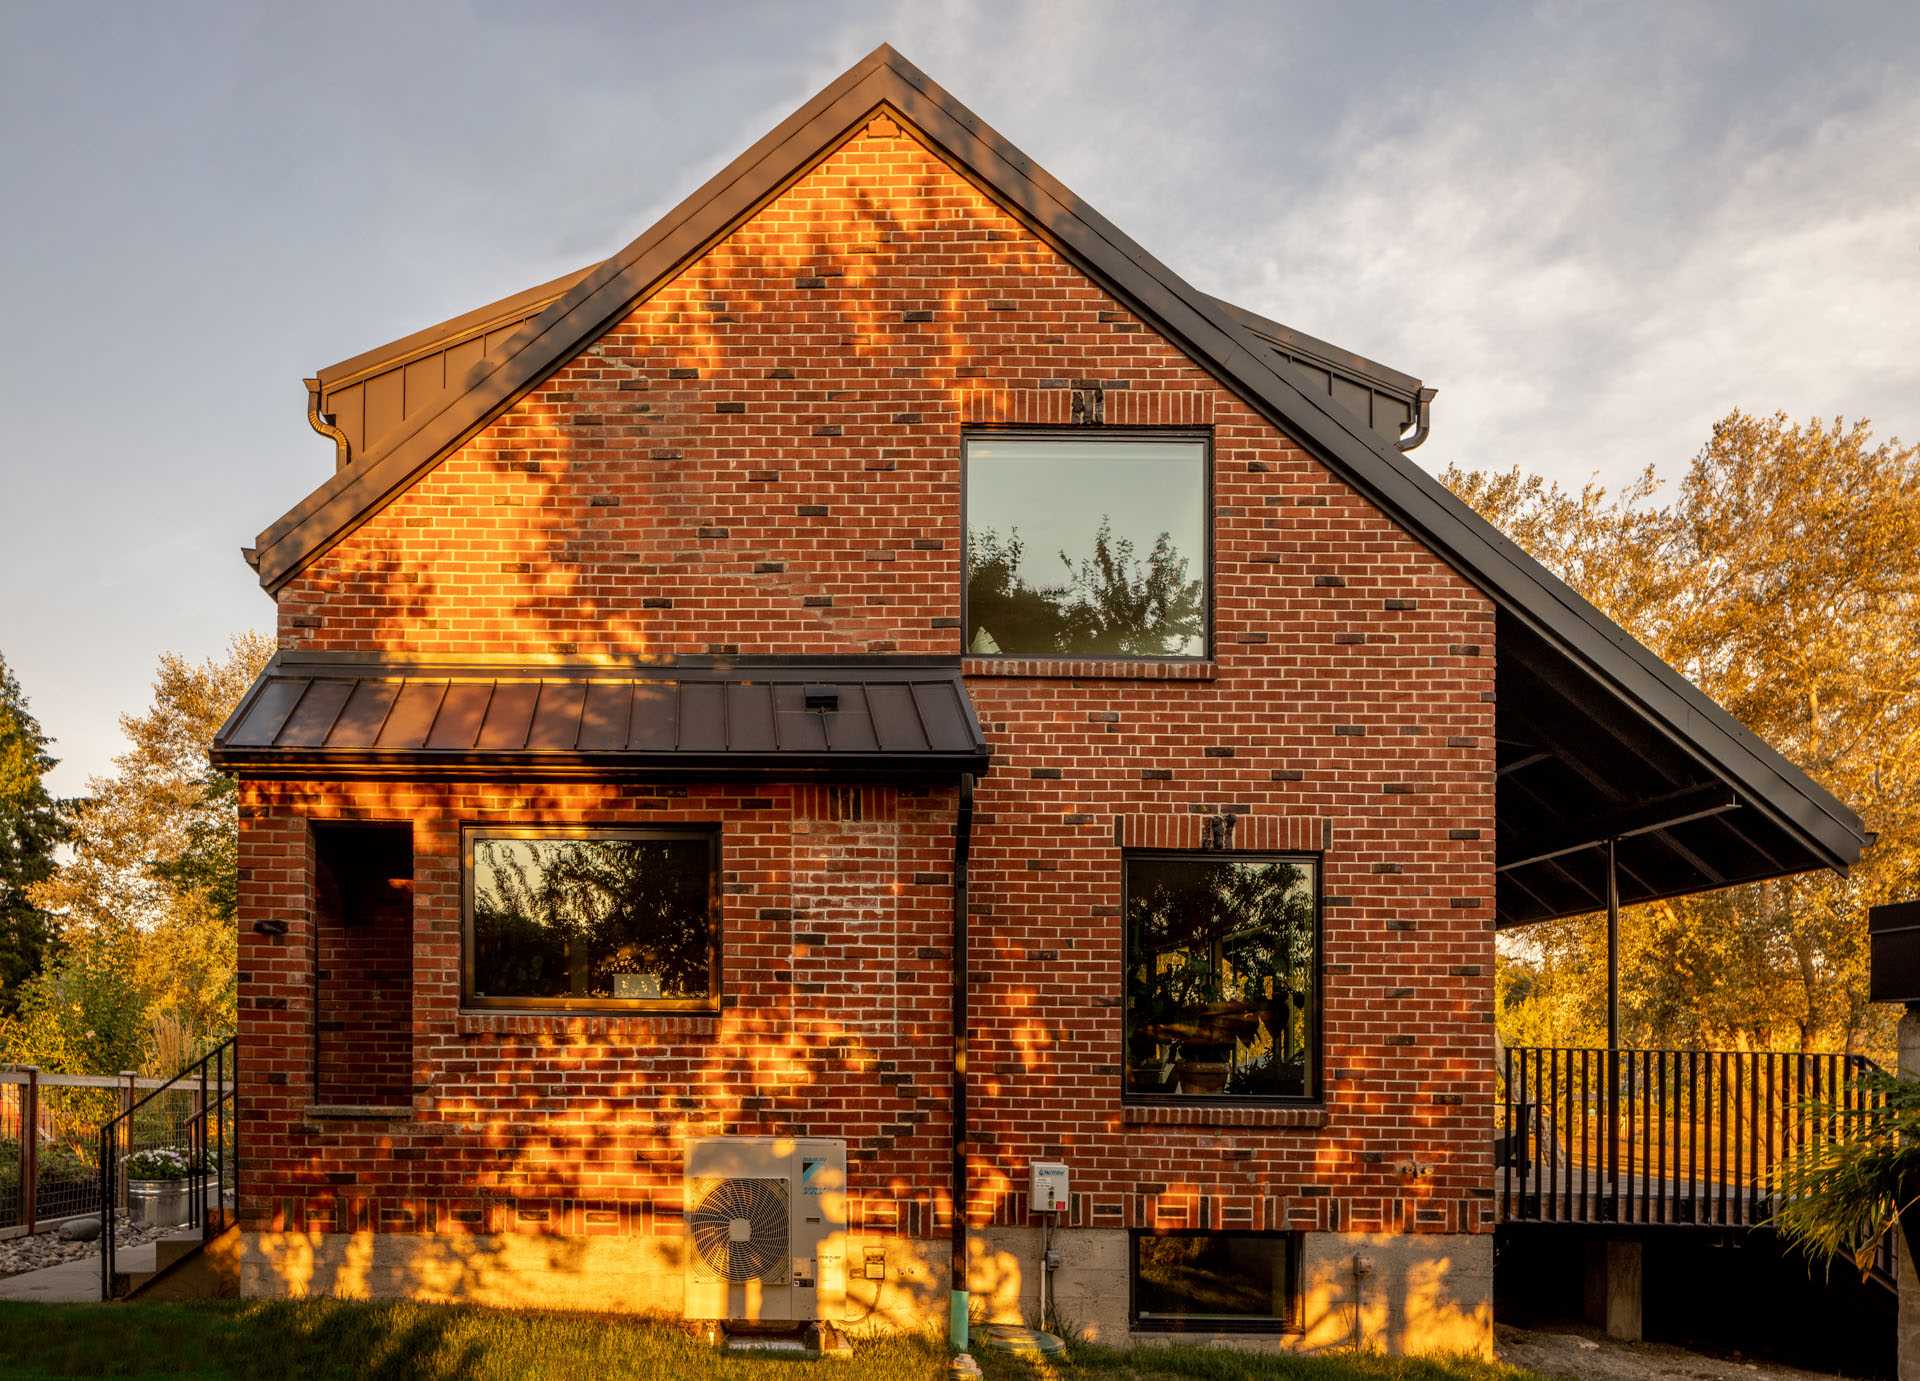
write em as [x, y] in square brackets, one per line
[158, 1203]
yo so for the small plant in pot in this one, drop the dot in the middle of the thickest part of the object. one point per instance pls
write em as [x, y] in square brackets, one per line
[1837, 1196]
[159, 1180]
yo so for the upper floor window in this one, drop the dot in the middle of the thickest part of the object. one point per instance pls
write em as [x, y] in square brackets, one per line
[1087, 547]
[1222, 976]
[592, 918]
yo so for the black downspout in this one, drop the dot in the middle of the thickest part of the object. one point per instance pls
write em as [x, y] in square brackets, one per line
[959, 1304]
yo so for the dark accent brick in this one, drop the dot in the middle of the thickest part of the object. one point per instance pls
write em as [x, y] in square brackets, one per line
[1329, 582]
[1156, 774]
[683, 373]
[712, 532]
[729, 407]
[656, 602]
[812, 510]
[1046, 774]
[1394, 605]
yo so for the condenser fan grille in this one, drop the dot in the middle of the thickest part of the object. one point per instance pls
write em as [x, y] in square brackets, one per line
[739, 1229]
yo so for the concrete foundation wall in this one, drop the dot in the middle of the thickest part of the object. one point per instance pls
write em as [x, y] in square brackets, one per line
[1414, 1293]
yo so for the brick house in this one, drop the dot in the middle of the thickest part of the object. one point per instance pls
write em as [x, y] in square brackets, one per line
[883, 591]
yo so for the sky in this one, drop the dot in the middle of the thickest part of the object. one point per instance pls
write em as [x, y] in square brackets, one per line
[1593, 228]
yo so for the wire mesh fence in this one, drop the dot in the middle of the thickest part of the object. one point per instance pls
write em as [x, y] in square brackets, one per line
[49, 1142]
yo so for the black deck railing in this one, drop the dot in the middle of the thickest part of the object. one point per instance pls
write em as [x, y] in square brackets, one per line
[1690, 1138]
[192, 1114]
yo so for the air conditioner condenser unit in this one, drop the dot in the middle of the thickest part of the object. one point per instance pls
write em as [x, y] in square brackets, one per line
[766, 1222]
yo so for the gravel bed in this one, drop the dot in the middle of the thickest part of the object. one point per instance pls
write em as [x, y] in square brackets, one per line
[21, 1254]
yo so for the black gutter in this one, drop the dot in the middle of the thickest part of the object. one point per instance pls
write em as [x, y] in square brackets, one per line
[959, 1304]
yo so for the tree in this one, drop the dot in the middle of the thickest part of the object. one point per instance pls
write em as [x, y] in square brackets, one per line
[144, 906]
[1110, 602]
[1784, 580]
[31, 828]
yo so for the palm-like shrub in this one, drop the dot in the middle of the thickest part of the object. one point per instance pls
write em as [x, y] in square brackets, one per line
[1838, 1194]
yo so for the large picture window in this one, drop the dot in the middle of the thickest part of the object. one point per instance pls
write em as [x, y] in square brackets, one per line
[1216, 1280]
[1222, 969]
[592, 919]
[1086, 547]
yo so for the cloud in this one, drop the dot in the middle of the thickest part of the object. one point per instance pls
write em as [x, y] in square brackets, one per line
[1594, 230]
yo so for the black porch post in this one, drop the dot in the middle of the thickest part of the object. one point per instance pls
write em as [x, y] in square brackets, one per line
[1613, 1026]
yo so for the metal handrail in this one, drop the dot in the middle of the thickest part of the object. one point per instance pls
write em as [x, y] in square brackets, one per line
[214, 1118]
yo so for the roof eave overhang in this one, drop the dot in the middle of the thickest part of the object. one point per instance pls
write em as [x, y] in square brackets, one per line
[274, 765]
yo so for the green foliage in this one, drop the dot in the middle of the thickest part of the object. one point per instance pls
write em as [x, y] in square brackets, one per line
[145, 902]
[87, 1014]
[59, 1167]
[1839, 1197]
[31, 828]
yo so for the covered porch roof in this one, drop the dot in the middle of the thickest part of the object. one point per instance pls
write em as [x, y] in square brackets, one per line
[1690, 799]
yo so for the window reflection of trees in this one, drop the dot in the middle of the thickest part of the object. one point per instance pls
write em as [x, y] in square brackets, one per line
[1220, 987]
[614, 918]
[1112, 601]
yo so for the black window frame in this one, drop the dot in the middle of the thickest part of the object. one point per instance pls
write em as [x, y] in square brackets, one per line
[609, 1006]
[1293, 1322]
[1316, 1096]
[1203, 435]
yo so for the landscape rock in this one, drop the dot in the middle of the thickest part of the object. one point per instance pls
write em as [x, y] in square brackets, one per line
[79, 1229]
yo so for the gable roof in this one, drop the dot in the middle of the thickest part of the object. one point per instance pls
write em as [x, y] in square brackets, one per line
[1601, 659]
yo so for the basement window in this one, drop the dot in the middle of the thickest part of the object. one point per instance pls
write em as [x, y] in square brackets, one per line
[592, 919]
[1216, 1281]
[1079, 547]
[1222, 987]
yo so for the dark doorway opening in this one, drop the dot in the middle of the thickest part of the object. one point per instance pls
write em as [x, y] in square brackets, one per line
[363, 965]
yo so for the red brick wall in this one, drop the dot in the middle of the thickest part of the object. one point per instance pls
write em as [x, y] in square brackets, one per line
[765, 457]
[557, 1122]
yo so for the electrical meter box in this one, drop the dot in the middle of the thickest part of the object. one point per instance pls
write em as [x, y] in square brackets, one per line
[1048, 1192]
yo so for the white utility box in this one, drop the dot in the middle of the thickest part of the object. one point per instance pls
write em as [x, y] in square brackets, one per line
[1048, 1192]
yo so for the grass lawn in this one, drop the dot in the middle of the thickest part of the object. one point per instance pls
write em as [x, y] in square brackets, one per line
[329, 1339]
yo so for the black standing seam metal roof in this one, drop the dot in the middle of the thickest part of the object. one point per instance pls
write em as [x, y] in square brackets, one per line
[1611, 661]
[319, 716]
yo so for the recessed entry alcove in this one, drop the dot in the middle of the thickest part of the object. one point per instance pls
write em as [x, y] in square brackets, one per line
[363, 965]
